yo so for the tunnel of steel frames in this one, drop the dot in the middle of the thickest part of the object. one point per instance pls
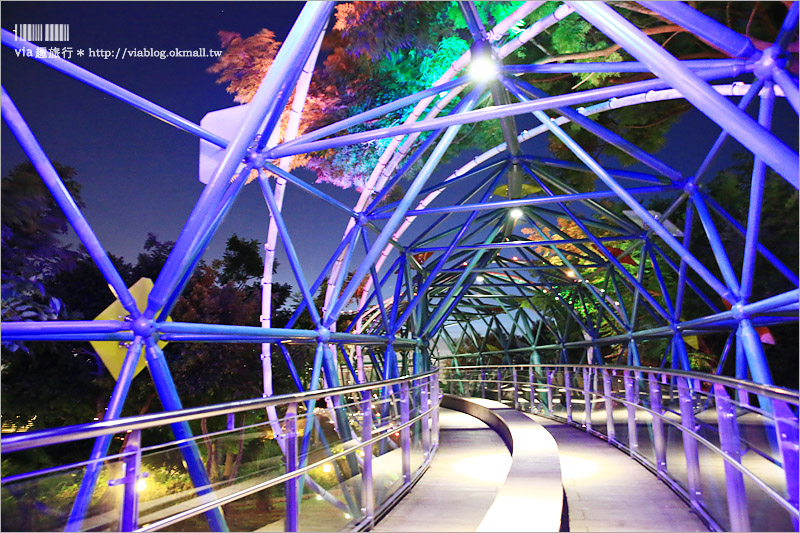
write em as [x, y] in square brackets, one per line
[411, 322]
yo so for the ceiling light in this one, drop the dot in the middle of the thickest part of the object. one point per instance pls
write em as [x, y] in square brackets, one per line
[516, 213]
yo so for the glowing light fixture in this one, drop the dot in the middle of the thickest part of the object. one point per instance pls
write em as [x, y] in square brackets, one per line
[141, 485]
[516, 213]
[347, 516]
[319, 497]
[515, 258]
[479, 279]
[570, 274]
[326, 468]
[483, 68]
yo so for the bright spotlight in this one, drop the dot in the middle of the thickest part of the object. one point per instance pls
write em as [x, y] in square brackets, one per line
[482, 68]
[479, 279]
[570, 274]
[326, 468]
[516, 213]
[141, 485]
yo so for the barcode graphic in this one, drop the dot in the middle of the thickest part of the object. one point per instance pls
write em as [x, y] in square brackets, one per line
[41, 32]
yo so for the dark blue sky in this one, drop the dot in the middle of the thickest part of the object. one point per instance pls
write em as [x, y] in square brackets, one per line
[139, 175]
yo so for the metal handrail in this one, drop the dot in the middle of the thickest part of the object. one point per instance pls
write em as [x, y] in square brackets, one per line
[45, 437]
[727, 449]
[771, 391]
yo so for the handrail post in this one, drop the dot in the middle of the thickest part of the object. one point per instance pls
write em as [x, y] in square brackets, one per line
[426, 426]
[516, 388]
[689, 444]
[549, 392]
[610, 430]
[499, 386]
[367, 487]
[786, 428]
[129, 512]
[659, 444]
[730, 444]
[632, 397]
[483, 382]
[405, 433]
[587, 399]
[291, 488]
[435, 418]
[532, 384]
[568, 393]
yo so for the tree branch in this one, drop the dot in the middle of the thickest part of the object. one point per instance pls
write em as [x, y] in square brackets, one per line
[669, 28]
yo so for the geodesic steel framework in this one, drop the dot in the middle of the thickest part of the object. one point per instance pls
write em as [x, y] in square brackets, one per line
[431, 260]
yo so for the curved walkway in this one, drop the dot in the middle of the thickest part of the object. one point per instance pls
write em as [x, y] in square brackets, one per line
[466, 474]
[606, 490]
[609, 491]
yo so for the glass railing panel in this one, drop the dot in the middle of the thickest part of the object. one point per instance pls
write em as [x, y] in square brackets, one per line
[44, 502]
[341, 502]
[387, 468]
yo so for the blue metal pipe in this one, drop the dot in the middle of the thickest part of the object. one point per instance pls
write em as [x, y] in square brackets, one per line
[756, 195]
[294, 261]
[769, 256]
[717, 246]
[318, 282]
[789, 86]
[101, 444]
[495, 112]
[307, 28]
[399, 214]
[526, 243]
[687, 240]
[743, 128]
[615, 172]
[621, 66]
[518, 86]
[444, 257]
[536, 200]
[291, 178]
[708, 29]
[15, 330]
[19, 128]
[168, 395]
[744, 103]
[374, 113]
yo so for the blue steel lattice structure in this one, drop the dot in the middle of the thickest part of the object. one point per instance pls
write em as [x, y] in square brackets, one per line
[435, 260]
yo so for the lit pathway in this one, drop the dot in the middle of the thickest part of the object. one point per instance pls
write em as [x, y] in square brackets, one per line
[609, 491]
[466, 474]
[606, 489]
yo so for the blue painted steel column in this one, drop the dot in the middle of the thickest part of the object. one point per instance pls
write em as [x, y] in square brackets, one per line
[272, 92]
[731, 445]
[568, 392]
[405, 433]
[168, 395]
[101, 444]
[743, 128]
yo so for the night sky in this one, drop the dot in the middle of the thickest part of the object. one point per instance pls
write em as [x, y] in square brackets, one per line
[138, 174]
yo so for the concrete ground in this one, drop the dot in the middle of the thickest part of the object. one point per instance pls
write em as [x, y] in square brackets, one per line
[466, 474]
